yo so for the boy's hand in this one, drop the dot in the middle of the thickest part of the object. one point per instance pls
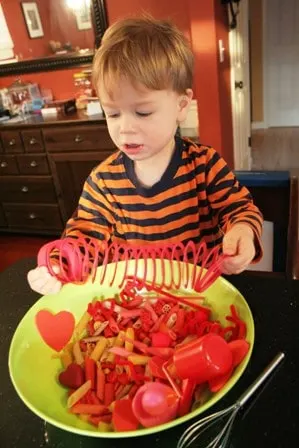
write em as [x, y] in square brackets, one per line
[238, 243]
[41, 281]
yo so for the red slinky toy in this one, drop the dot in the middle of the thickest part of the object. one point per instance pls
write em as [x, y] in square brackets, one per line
[78, 260]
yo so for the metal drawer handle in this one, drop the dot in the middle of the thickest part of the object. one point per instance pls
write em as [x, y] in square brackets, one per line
[33, 163]
[32, 216]
[12, 142]
[32, 141]
[78, 139]
[24, 189]
[4, 164]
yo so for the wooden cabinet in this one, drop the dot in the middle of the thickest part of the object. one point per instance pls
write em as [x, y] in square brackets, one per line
[8, 165]
[27, 189]
[43, 168]
[78, 138]
[2, 218]
[71, 171]
[12, 142]
[33, 216]
[33, 141]
[33, 164]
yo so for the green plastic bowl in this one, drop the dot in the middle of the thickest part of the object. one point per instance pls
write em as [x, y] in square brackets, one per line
[34, 370]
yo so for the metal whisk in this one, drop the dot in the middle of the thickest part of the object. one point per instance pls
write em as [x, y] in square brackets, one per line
[221, 422]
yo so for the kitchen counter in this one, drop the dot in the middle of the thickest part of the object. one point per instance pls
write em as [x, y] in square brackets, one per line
[270, 420]
[79, 117]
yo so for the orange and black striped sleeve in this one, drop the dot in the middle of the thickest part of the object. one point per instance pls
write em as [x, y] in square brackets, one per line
[231, 202]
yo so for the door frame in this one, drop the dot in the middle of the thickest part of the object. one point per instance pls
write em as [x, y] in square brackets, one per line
[263, 124]
[232, 82]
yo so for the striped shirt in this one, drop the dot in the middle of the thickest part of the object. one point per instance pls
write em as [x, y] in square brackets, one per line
[198, 198]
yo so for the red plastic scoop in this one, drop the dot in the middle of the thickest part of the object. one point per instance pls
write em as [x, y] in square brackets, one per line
[155, 404]
[203, 359]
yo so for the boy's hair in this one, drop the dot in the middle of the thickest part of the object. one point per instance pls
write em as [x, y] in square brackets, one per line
[154, 53]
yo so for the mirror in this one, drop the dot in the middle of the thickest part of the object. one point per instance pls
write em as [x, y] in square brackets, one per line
[44, 35]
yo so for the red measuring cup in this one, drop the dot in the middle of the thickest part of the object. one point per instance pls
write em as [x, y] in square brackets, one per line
[203, 359]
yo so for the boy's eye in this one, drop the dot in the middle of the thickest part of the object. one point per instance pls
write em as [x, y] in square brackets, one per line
[143, 114]
[112, 115]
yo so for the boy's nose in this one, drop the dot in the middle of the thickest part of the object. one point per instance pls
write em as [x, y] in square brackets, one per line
[127, 125]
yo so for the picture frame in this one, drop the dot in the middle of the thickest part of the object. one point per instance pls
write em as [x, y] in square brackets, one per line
[83, 17]
[32, 19]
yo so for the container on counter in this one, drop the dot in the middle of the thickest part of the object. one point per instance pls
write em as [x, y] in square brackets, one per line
[84, 90]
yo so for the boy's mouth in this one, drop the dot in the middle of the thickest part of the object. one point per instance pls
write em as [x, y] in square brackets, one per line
[132, 148]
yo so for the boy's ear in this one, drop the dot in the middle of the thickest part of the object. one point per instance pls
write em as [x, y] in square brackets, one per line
[184, 104]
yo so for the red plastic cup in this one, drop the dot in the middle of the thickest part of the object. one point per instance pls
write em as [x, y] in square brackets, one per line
[203, 359]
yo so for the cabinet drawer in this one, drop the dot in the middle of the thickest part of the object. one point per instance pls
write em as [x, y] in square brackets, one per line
[32, 164]
[33, 216]
[78, 138]
[27, 189]
[8, 165]
[12, 141]
[33, 141]
[2, 218]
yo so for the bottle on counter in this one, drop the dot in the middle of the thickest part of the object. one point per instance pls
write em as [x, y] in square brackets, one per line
[84, 90]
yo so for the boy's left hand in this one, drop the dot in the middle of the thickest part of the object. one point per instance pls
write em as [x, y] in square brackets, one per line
[238, 243]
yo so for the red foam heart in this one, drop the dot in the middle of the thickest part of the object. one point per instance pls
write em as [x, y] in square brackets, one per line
[55, 329]
[72, 377]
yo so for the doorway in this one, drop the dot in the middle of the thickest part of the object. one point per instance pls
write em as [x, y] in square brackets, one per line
[274, 63]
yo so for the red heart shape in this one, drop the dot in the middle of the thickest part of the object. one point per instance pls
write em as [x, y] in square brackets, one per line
[55, 329]
[72, 377]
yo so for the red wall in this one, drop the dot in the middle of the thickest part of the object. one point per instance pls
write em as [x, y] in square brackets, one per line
[176, 10]
[60, 82]
[212, 78]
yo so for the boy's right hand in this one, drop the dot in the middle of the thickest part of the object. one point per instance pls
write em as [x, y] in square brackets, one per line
[41, 281]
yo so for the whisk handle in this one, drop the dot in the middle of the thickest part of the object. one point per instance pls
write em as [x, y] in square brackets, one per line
[260, 379]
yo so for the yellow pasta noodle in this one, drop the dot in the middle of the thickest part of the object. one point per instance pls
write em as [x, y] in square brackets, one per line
[111, 406]
[99, 349]
[119, 342]
[79, 358]
[78, 394]
[66, 359]
[105, 427]
[84, 417]
[111, 342]
[130, 334]
[81, 325]
[139, 359]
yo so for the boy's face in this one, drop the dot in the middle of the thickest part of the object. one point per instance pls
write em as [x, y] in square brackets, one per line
[143, 122]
